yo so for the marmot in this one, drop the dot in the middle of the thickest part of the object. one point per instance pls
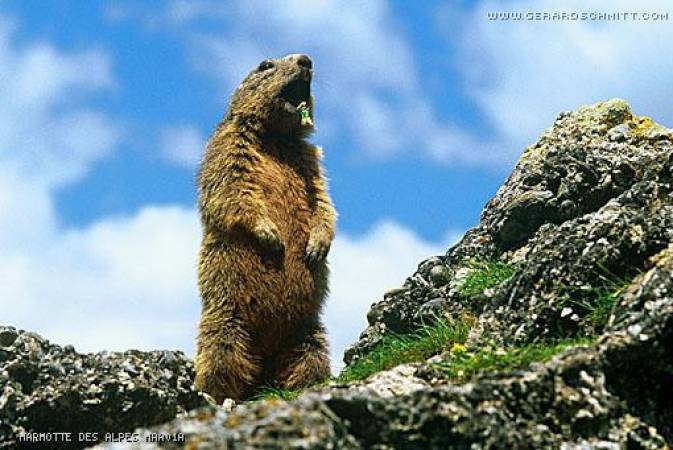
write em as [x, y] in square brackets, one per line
[268, 223]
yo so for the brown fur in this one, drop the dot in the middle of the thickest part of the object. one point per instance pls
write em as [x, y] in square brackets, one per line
[268, 222]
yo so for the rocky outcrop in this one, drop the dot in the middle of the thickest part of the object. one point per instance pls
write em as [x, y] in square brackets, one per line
[48, 388]
[591, 199]
[584, 226]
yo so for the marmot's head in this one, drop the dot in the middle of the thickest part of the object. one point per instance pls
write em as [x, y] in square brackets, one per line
[276, 96]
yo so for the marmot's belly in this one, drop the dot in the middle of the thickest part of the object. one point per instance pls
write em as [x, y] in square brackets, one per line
[273, 294]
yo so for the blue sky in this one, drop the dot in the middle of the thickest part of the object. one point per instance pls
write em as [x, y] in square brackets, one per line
[158, 85]
[422, 109]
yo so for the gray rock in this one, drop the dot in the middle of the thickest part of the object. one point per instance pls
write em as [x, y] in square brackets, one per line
[439, 275]
[7, 336]
[566, 265]
[620, 133]
[429, 311]
[48, 388]
[400, 380]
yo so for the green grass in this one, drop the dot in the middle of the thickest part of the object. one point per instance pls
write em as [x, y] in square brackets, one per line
[464, 365]
[595, 308]
[394, 350]
[432, 340]
[485, 275]
[270, 392]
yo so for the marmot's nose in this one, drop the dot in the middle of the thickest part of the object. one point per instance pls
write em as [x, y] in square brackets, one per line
[302, 60]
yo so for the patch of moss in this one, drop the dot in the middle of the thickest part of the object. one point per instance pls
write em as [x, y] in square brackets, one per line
[485, 275]
[394, 350]
[463, 365]
[641, 124]
[611, 112]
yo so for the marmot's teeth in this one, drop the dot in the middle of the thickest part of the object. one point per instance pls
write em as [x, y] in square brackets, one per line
[289, 107]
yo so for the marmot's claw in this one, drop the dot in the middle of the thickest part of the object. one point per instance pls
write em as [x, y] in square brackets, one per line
[317, 251]
[271, 241]
[209, 398]
[268, 235]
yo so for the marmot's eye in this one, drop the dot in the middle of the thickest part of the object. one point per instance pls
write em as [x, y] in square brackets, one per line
[265, 65]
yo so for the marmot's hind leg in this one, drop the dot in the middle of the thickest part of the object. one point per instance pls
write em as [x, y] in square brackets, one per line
[225, 366]
[306, 363]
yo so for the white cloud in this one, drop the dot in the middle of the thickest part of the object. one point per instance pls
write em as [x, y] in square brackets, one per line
[176, 12]
[182, 145]
[48, 137]
[117, 284]
[45, 132]
[27, 217]
[523, 73]
[64, 282]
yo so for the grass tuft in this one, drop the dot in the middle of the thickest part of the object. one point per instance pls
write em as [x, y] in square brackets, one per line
[485, 275]
[276, 393]
[596, 307]
[431, 340]
[394, 350]
[464, 365]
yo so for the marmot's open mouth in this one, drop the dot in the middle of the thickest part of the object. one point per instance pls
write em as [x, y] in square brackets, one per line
[297, 91]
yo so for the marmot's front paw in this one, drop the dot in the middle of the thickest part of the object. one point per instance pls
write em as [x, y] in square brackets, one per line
[319, 243]
[268, 235]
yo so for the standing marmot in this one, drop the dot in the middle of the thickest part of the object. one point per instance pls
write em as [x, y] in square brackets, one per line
[268, 223]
